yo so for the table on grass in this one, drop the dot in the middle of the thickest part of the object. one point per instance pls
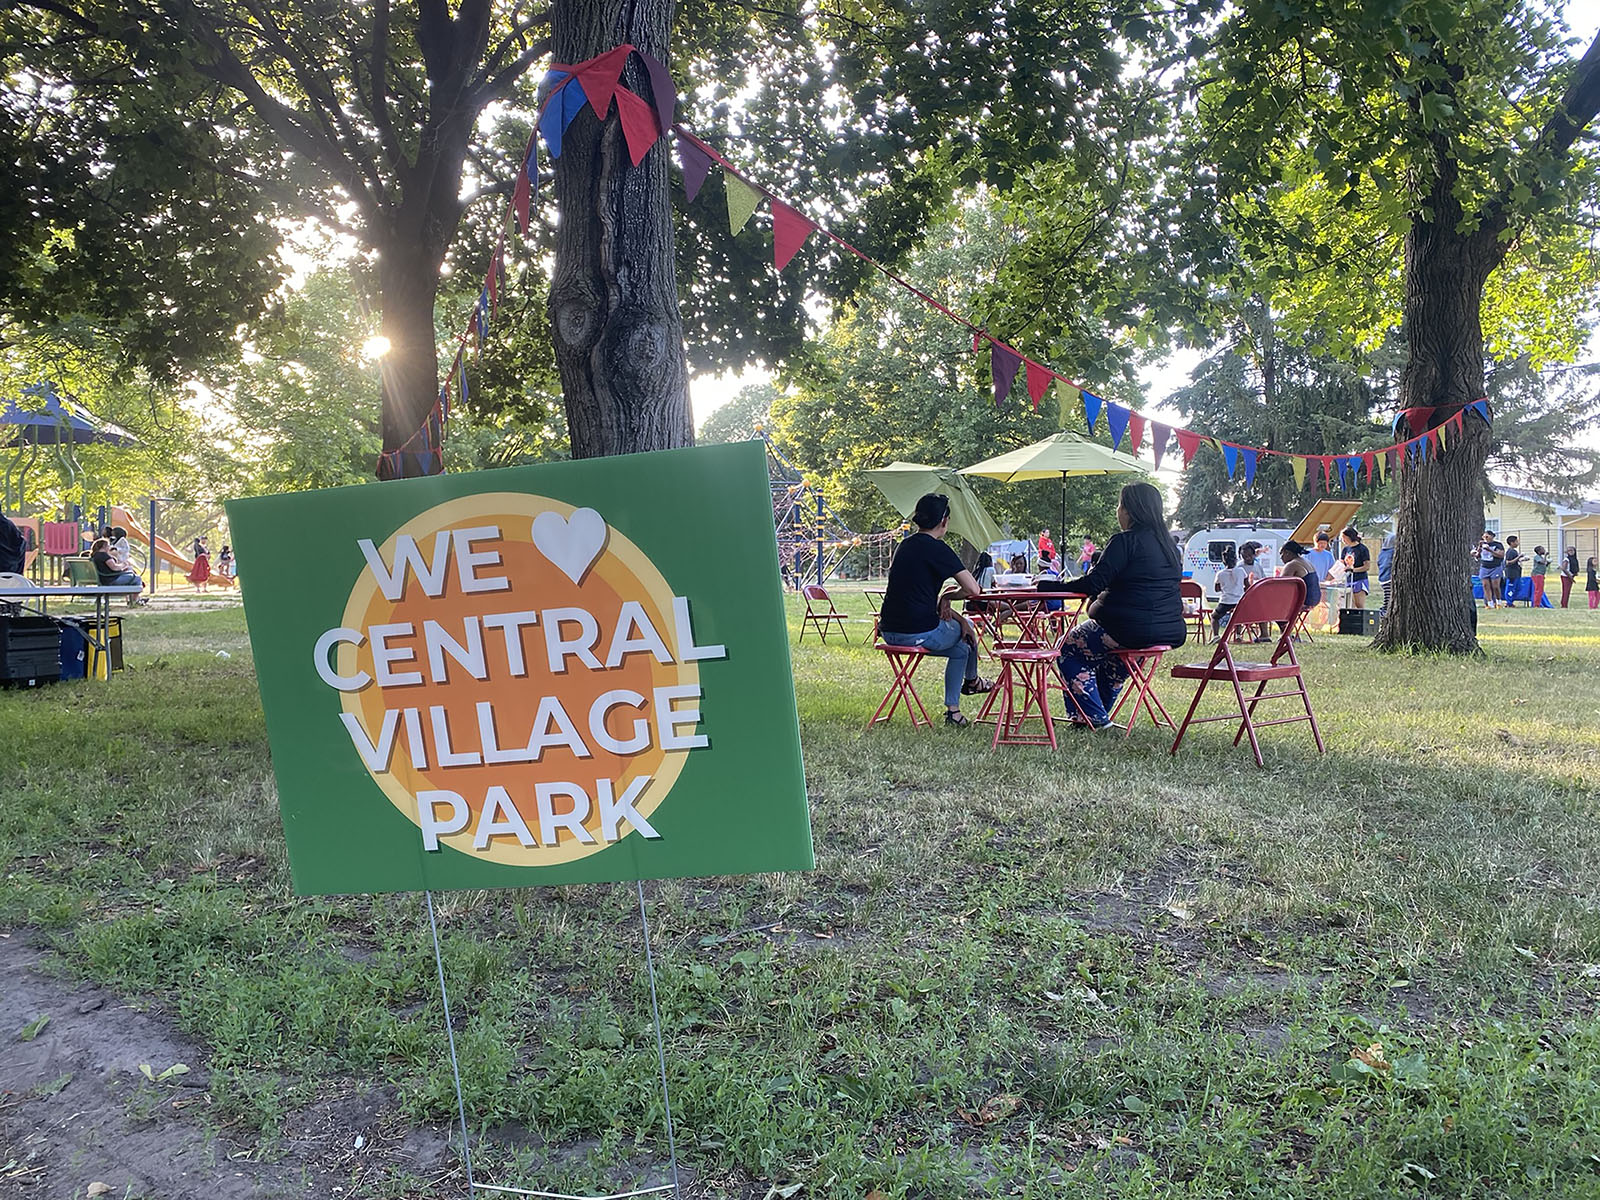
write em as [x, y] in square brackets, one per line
[1028, 609]
[38, 599]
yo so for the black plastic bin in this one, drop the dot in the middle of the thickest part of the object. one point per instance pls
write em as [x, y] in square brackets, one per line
[30, 651]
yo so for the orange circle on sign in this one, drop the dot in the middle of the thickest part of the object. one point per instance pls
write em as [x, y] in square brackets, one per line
[630, 606]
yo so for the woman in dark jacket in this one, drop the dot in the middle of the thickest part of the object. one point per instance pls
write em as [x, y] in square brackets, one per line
[1136, 604]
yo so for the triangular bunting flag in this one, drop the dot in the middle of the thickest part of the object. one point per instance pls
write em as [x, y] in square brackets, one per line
[742, 201]
[789, 232]
[1249, 464]
[1189, 443]
[1117, 423]
[1068, 394]
[696, 166]
[1230, 457]
[638, 124]
[1439, 433]
[1481, 407]
[662, 88]
[1368, 458]
[1091, 409]
[1432, 440]
[1038, 380]
[553, 120]
[1459, 421]
[1003, 364]
[522, 194]
[1343, 467]
[1327, 471]
[599, 77]
[1297, 463]
[1159, 434]
[1135, 433]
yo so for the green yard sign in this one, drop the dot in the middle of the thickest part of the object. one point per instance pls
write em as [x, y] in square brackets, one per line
[568, 673]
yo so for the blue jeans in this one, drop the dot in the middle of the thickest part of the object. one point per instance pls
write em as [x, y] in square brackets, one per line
[1093, 674]
[943, 641]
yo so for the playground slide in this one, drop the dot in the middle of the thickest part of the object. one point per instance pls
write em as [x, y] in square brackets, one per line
[164, 549]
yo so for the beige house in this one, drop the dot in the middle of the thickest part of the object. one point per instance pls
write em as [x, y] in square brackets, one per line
[1540, 520]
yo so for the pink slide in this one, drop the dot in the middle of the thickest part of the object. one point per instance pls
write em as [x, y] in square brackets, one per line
[164, 549]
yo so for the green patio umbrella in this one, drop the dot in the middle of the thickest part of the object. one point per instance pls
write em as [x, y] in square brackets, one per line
[906, 483]
[1060, 455]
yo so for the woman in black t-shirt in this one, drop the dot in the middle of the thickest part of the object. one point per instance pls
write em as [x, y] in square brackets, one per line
[911, 614]
[108, 570]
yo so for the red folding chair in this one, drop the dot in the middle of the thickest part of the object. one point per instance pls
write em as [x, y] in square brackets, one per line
[1142, 666]
[903, 662]
[1271, 600]
[1188, 590]
[815, 595]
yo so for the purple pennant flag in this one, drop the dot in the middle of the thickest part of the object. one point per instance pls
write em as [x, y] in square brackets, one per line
[696, 166]
[1158, 440]
[1116, 422]
[661, 88]
[1230, 455]
[1091, 408]
[1249, 465]
[1003, 364]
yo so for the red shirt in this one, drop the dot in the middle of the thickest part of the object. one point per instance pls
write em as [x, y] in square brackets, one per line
[1046, 546]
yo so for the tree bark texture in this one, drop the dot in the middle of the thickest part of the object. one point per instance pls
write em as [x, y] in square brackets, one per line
[1440, 513]
[614, 294]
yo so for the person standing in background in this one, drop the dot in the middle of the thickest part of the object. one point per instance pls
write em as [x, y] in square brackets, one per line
[1321, 559]
[1086, 557]
[1593, 585]
[1491, 566]
[1569, 572]
[1513, 569]
[1046, 546]
[1356, 557]
[1541, 564]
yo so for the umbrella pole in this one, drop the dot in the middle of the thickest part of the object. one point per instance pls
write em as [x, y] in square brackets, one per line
[1062, 532]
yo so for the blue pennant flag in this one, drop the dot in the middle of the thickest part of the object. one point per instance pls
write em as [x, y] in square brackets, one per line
[1091, 409]
[559, 112]
[483, 316]
[1344, 466]
[1481, 407]
[1355, 469]
[1249, 465]
[1117, 422]
[1230, 456]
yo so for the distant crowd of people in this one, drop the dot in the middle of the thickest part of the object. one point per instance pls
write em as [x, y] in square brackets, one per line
[1500, 567]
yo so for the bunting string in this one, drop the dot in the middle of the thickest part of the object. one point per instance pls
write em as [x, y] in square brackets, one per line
[596, 84]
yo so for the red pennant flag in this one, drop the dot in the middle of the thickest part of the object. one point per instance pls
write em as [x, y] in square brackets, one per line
[638, 124]
[599, 78]
[1459, 420]
[1135, 433]
[496, 267]
[977, 339]
[1417, 418]
[789, 233]
[1327, 471]
[1189, 443]
[1039, 381]
[1370, 459]
[1159, 434]
[1433, 441]
[522, 194]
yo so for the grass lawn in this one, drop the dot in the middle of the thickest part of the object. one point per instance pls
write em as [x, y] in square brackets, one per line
[1099, 971]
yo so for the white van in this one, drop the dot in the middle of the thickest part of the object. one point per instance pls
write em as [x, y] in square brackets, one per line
[1202, 554]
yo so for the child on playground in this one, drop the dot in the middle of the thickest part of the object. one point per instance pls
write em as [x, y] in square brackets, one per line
[225, 560]
[1540, 564]
[200, 573]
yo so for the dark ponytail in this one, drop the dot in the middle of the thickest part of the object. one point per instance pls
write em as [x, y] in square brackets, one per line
[930, 511]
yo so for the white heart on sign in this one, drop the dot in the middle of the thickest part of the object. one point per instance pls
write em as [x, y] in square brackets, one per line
[571, 543]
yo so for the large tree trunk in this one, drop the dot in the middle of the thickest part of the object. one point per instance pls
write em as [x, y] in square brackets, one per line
[614, 296]
[1430, 603]
[408, 282]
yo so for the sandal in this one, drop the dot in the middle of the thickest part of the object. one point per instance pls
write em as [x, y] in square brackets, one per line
[957, 719]
[976, 687]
